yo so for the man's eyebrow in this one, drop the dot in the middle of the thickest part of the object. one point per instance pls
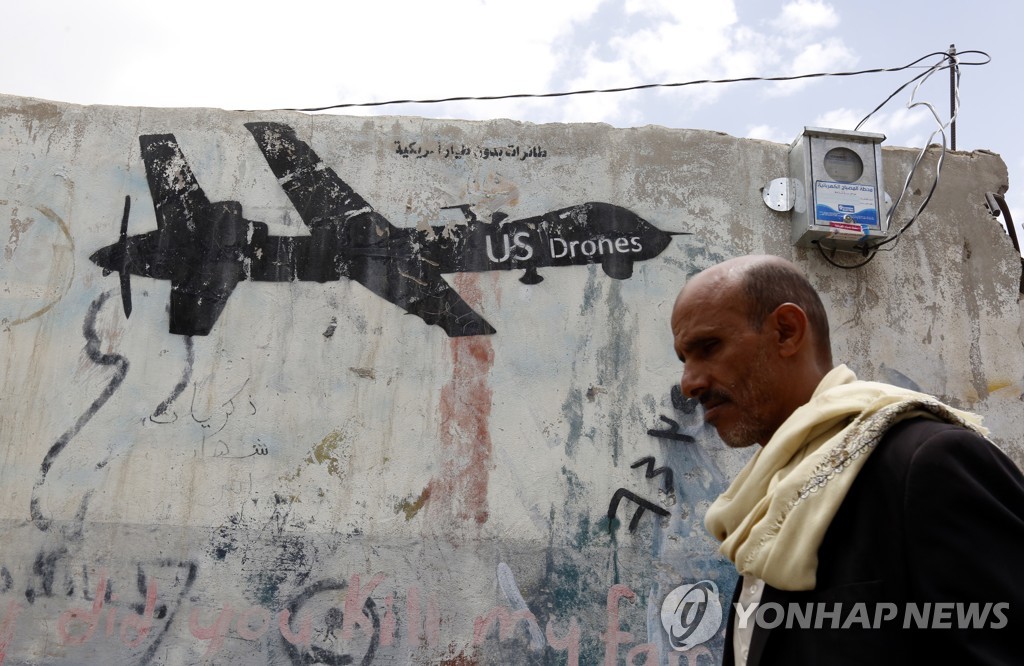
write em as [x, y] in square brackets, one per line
[698, 341]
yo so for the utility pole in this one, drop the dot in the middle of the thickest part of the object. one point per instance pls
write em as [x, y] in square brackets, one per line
[953, 70]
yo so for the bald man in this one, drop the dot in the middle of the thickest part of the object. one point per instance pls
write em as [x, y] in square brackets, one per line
[873, 524]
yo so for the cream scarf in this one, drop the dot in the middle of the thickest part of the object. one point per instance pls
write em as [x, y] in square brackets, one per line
[773, 517]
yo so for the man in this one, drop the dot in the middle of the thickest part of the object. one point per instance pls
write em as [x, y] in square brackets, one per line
[865, 506]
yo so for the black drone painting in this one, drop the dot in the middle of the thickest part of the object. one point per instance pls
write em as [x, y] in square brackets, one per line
[206, 248]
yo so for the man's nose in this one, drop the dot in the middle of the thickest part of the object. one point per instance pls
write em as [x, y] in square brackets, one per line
[692, 383]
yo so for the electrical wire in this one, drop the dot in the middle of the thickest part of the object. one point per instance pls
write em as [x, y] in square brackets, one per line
[646, 86]
[942, 64]
[941, 130]
[947, 61]
[817, 243]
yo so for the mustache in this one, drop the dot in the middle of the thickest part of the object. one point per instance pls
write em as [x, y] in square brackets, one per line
[713, 396]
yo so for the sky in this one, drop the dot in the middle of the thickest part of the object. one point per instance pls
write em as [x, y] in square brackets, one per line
[303, 53]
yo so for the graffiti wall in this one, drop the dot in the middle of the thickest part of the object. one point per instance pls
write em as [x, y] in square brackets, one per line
[301, 389]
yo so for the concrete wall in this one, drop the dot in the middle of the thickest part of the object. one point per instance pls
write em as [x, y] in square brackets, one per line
[326, 477]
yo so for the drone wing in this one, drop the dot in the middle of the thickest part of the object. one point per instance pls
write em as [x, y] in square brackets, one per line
[321, 198]
[433, 300]
[199, 246]
[358, 242]
[178, 199]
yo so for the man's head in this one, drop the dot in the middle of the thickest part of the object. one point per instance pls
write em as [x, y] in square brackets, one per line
[754, 338]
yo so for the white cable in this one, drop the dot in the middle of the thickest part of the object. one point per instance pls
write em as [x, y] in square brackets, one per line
[948, 61]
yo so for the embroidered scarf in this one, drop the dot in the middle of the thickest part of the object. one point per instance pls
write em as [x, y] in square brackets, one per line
[772, 518]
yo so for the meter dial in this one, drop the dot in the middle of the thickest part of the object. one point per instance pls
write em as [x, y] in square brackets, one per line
[843, 165]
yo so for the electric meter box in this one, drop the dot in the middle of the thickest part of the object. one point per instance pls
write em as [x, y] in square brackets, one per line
[837, 189]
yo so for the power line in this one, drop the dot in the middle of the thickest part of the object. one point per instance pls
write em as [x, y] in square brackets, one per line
[648, 86]
[951, 60]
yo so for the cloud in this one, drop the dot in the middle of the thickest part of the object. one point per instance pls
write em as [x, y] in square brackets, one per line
[823, 56]
[829, 55]
[317, 54]
[806, 15]
[841, 118]
[668, 41]
[599, 74]
[769, 133]
[681, 35]
[304, 53]
[901, 126]
[658, 41]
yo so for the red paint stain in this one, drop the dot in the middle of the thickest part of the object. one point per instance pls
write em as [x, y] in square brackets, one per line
[459, 659]
[460, 489]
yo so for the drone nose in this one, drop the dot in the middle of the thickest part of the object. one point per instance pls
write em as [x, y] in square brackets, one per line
[104, 258]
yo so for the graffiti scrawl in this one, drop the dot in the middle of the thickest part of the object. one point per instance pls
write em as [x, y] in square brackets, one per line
[206, 248]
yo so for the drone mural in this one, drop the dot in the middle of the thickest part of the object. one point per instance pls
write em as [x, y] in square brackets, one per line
[206, 248]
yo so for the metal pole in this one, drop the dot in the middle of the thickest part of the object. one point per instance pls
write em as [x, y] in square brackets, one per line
[952, 96]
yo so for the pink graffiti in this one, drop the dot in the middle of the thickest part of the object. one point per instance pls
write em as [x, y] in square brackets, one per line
[692, 655]
[77, 625]
[216, 631]
[431, 624]
[7, 627]
[613, 637]
[570, 642]
[507, 622]
[252, 623]
[354, 602]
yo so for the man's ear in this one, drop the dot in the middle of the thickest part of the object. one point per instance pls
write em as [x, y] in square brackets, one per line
[789, 324]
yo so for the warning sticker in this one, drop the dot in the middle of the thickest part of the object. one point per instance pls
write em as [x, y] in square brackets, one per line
[847, 228]
[838, 204]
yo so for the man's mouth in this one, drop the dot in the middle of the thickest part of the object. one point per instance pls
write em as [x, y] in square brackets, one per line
[712, 404]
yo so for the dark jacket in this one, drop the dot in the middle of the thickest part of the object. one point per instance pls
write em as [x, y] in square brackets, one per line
[935, 516]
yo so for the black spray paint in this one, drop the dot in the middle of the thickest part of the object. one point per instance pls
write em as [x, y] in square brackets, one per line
[92, 350]
[179, 388]
[206, 248]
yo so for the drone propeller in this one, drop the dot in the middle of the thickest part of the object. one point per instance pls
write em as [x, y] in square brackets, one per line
[123, 273]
